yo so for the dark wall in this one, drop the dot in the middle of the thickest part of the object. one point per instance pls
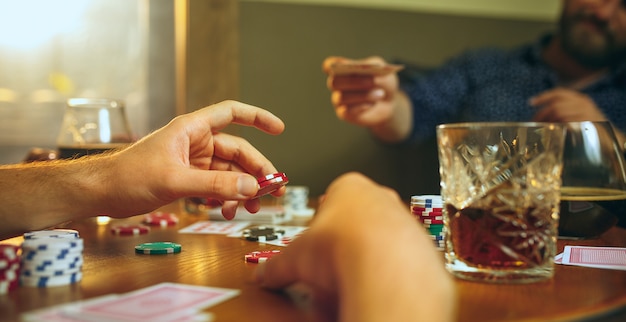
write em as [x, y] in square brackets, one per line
[282, 48]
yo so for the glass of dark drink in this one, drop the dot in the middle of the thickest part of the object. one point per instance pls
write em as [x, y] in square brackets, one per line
[500, 186]
[594, 180]
[91, 126]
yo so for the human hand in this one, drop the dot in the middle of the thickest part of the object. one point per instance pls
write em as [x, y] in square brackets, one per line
[363, 100]
[190, 156]
[362, 249]
[565, 105]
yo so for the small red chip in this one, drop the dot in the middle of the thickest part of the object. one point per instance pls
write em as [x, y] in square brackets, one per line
[162, 219]
[260, 256]
[130, 230]
[271, 183]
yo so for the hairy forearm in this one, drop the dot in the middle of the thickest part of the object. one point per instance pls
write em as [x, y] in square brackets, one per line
[42, 194]
[399, 126]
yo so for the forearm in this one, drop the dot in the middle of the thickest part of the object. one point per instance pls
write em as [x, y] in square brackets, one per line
[399, 126]
[40, 195]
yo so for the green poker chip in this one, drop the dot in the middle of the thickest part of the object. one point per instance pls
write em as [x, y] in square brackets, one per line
[158, 248]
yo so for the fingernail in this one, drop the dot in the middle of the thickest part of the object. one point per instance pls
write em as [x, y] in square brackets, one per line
[247, 185]
[377, 93]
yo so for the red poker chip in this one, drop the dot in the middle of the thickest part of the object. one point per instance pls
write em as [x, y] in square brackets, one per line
[8, 286]
[129, 230]
[433, 221]
[162, 219]
[9, 252]
[260, 256]
[10, 274]
[271, 183]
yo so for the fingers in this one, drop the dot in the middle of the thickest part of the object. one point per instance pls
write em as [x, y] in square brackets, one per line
[279, 274]
[546, 98]
[224, 113]
[565, 105]
[240, 153]
[348, 98]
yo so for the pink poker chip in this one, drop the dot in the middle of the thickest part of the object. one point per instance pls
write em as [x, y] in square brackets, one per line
[260, 256]
[271, 183]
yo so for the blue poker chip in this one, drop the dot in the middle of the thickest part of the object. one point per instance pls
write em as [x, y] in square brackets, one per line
[53, 265]
[56, 254]
[48, 281]
[52, 272]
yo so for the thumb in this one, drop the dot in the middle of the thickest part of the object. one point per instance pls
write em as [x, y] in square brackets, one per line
[223, 185]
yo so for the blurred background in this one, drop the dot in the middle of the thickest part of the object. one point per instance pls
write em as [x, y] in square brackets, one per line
[166, 57]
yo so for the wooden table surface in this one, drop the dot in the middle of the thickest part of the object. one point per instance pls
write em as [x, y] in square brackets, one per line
[111, 266]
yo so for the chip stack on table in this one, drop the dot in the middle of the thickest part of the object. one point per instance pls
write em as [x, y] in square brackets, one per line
[428, 210]
[9, 268]
[296, 201]
[51, 258]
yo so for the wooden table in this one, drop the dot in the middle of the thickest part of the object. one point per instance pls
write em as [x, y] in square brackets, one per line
[111, 266]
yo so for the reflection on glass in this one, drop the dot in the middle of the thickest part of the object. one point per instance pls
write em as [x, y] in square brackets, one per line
[593, 165]
[93, 125]
[593, 179]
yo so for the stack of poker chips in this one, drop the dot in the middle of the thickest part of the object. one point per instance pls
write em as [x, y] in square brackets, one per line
[51, 258]
[9, 268]
[296, 201]
[428, 210]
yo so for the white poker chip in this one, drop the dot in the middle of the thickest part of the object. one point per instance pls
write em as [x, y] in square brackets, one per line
[48, 281]
[52, 271]
[52, 233]
[50, 266]
[43, 244]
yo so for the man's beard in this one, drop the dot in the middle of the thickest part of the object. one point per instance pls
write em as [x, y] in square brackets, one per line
[592, 50]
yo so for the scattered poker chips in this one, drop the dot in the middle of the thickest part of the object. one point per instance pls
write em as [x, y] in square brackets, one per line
[428, 210]
[129, 230]
[9, 268]
[260, 256]
[271, 183]
[262, 233]
[158, 248]
[162, 219]
[51, 258]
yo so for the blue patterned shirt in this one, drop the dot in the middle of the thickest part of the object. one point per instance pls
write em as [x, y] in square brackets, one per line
[492, 84]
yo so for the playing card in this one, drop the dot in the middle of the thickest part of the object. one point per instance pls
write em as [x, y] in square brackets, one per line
[161, 302]
[558, 259]
[268, 214]
[599, 257]
[213, 227]
[346, 68]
